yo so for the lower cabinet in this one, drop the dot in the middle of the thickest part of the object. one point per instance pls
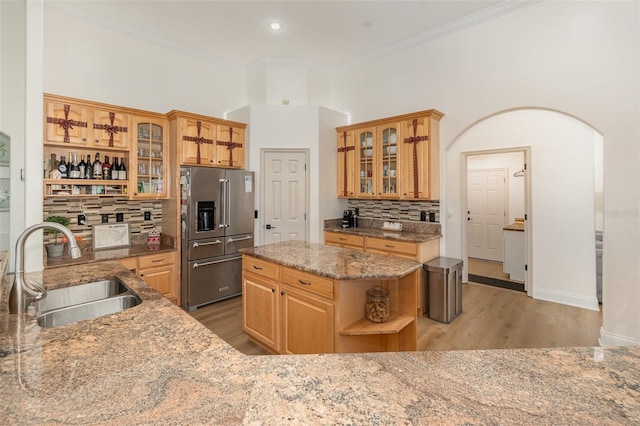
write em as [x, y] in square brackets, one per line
[355, 242]
[157, 270]
[261, 309]
[292, 315]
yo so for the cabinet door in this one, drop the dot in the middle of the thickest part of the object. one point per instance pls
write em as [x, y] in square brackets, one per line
[308, 323]
[110, 130]
[159, 271]
[261, 310]
[415, 155]
[387, 160]
[149, 166]
[196, 141]
[365, 164]
[66, 123]
[346, 164]
[230, 146]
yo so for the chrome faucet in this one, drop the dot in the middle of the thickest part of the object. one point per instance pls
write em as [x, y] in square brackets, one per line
[20, 289]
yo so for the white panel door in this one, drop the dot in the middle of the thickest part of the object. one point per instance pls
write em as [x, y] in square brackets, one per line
[487, 214]
[284, 196]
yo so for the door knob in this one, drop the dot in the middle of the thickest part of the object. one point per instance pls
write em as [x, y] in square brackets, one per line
[270, 227]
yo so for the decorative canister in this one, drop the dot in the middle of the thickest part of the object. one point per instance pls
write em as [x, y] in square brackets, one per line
[376, 307]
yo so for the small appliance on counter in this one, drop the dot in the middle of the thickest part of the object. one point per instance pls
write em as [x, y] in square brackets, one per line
[348, 219]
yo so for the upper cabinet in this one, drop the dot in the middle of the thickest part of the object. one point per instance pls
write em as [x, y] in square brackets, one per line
[346, 160]
[393, 158]
[149, 168]
[230, 146]
[207, 141]
[110, 129]
[66, 123]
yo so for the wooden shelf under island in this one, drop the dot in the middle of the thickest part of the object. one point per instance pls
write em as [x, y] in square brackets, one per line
[309, 298]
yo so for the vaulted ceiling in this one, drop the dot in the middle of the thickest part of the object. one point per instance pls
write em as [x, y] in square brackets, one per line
[328, 33]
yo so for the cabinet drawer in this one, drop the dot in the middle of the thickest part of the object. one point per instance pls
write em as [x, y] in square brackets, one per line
[309, 282]
[153, 260]
[338, 238]
[392, 247]
[260, 267]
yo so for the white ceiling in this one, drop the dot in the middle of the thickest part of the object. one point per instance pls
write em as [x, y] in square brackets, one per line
[330, 33]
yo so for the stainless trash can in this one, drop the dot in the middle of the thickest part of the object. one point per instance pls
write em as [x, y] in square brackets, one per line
[444, 282]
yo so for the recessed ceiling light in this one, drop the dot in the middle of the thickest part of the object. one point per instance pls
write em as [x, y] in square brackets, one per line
[275, 26]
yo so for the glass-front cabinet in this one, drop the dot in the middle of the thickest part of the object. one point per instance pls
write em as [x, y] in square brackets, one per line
[366, 168]
[388, 148]
[149, 153]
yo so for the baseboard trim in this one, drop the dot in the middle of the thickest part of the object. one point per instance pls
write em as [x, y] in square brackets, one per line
[570, 299]
[496, 282]
[610, 339]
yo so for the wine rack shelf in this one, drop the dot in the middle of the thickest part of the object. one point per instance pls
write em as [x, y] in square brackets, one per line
[85, 188]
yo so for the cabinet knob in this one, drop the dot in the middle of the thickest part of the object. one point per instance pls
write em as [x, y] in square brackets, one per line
[282, 293]
[273, 290]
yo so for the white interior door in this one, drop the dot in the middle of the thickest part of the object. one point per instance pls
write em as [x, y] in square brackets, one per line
[285, 191]
[487, 214]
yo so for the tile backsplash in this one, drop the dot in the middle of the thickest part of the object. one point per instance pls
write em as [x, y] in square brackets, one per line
[395, 209]
[94, 207]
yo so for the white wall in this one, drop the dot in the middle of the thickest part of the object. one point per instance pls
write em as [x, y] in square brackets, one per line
[298, 127]
[88, 61]
[580, 58]
[513, 162]
[562, 218]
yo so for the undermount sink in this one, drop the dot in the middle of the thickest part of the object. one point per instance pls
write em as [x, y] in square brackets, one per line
[81, 302]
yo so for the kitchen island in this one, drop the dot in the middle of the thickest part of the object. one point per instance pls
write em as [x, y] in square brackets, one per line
[300, 297]
[154, 364]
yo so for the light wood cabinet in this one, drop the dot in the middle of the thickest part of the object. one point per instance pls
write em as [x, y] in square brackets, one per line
[200, 140]
[307, 323]
[150, 167]
[66, 123]
[419, 177]
[110, 129]
[159, 271]
[346, 161]
[355, 242]
[231, 146]
[394, 158]
[290, 311]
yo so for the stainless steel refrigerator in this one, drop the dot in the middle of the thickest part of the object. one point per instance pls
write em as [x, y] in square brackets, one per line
[217, 220]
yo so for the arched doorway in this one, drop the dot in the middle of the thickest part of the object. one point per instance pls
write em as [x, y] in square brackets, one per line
[561, 214]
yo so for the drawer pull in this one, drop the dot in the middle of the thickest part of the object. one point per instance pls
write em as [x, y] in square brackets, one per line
[257, 267]
[390, 245]
[234, 240]
[304, 282]
[210, 243]
[342, 239]
[157, 260]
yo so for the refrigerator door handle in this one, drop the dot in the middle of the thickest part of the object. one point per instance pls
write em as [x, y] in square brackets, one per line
[210, 243]
[228, 221]
[223, 202]
[233, 240]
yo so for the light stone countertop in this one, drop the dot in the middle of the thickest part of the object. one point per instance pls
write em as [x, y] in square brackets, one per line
[333, 262]
[154, 364]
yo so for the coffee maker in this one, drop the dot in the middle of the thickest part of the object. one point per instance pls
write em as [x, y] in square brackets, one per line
[348, 219]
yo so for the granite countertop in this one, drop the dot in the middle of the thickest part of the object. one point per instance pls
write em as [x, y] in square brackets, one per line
[333, 262]
[89, 255]
[405, 235]
[155, 364]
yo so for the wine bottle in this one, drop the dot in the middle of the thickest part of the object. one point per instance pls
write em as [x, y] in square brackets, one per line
[74, 169]
[82, 166]
[115, 169]
[106, 168]
[97, 167]
[88, 169]
[62, 167]
[123, 170]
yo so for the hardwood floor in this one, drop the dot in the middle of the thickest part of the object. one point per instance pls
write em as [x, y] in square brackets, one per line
[491, 318]
[487, 268]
